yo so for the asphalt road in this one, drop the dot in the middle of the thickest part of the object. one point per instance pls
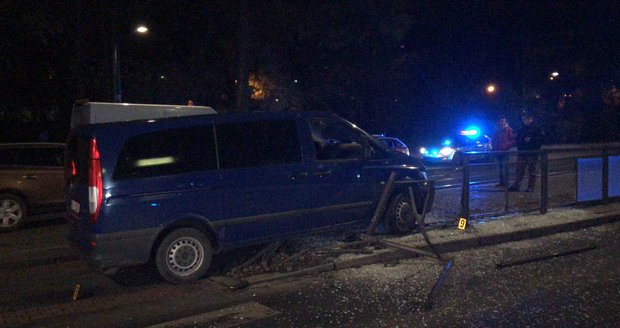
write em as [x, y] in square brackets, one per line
[578, 289]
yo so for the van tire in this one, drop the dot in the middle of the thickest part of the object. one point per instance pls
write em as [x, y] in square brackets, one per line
[12, 212]
[399, 217]
[184, 256]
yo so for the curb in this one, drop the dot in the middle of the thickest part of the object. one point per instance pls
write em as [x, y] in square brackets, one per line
[482, 241]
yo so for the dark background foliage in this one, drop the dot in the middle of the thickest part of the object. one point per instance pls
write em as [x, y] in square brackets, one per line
[412, 69]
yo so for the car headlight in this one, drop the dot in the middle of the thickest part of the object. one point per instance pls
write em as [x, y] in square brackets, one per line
[446, 151]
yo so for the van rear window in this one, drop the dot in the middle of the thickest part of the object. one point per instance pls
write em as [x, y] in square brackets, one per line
[167, 152]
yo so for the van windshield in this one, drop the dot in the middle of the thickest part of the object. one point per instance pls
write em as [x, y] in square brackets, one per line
[335, 140]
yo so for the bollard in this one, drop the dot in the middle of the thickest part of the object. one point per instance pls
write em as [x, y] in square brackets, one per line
[605, 176]
[465, 189]
[544, 183]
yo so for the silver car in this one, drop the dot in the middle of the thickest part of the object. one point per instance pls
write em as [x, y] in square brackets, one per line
[31, 182]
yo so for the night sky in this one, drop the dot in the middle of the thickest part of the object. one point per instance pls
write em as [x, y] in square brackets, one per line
[412, 69]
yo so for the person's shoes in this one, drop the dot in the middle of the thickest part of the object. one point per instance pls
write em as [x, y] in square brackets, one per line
[529, 189]
[513, 188]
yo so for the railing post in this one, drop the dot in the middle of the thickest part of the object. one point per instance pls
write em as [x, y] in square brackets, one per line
[544, 183]
[605, 154]
[387, 190]
[465, 189]
[507, 181]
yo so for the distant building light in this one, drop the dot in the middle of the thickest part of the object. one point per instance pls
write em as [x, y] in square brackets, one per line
[295, 81]
[162, 77]
[142, 29]
[554, 74]
[277, 99]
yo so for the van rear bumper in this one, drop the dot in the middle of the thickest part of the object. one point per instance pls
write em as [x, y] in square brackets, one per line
[116, 250]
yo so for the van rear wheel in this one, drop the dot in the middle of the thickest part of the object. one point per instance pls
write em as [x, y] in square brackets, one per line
[184, 256]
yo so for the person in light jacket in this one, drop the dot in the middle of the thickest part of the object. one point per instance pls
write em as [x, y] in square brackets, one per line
[503, 139]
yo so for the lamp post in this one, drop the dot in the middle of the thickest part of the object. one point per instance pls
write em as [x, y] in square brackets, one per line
[116, 69]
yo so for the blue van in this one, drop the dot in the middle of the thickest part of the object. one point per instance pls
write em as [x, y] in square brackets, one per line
[174, 191]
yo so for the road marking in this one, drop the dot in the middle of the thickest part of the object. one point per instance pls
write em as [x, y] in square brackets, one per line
[232, 316]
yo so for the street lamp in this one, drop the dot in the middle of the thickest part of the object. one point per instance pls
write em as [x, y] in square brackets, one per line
[554, 76]
[491, 88]
[116, 70]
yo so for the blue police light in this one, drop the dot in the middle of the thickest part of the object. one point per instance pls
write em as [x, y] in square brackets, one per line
[471, 132]
[446, 142]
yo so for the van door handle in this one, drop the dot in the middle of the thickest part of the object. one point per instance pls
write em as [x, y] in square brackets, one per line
[29, 176]
[322, 173]
[298, 175]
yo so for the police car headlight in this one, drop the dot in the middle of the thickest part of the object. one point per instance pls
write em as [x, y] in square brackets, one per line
[446, 151]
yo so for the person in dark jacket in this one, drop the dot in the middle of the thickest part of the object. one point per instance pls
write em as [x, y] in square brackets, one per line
[530, 138]
[503, 140]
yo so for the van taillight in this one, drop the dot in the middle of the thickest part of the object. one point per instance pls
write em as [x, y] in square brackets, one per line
[70, 171]
[95, 185]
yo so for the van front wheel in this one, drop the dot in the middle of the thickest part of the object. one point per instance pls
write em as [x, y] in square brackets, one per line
[399, 215]
[184, 256]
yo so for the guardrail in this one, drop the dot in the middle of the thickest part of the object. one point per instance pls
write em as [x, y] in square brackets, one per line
[590, 162]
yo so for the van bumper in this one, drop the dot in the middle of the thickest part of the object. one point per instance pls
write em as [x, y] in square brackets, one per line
[115, 250]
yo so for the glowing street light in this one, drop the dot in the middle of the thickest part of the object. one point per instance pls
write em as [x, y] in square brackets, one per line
[142, 29]
[554, 75]
[491, 88]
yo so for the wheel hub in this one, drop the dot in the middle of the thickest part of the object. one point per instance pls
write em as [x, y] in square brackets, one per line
[10, 213]
[404, 214]
[185, 256]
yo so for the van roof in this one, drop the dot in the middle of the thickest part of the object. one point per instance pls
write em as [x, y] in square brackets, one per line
[186, 121]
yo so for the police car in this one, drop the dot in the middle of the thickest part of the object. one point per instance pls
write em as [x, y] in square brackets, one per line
[450, 151]
[393, 143]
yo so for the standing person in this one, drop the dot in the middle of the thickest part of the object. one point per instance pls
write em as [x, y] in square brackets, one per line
[502, 140]
[530, 137]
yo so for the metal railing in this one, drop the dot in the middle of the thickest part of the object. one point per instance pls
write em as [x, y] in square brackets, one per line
[570, 154]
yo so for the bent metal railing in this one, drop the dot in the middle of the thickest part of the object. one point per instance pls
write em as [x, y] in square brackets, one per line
[603, 152]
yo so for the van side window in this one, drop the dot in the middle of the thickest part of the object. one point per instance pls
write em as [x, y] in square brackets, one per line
[167, 152]
[258, 143]
[334, 140]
